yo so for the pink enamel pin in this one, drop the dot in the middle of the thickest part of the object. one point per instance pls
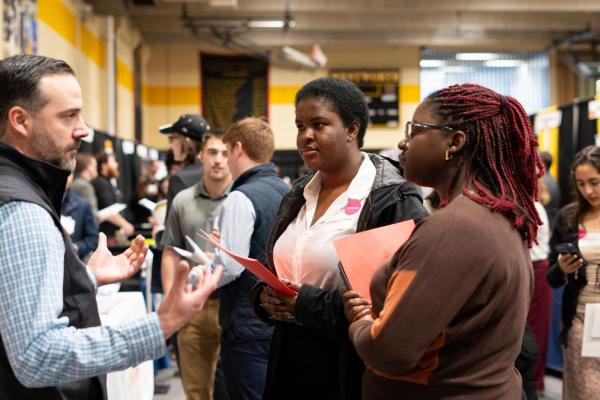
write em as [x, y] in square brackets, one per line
[352, 207]
[581, 234]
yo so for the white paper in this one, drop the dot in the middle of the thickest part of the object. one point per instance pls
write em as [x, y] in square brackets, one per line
[149, 204]
[142, 151]
[596, 323]
[127, 147]
[114, 209]
[135, 383]
[547, 121]
[67, 223]
[90, 137]
[594, 109]
[153, 154]
[591, 331]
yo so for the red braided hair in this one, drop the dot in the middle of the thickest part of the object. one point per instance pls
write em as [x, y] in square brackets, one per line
[500, 156]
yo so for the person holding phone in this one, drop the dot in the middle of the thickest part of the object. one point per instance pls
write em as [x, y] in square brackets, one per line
[574, 259]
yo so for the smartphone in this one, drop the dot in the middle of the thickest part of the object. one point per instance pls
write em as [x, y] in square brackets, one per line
[568, 248]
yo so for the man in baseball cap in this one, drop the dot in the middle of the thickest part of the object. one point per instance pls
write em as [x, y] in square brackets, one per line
[192, 126]
[185, 139]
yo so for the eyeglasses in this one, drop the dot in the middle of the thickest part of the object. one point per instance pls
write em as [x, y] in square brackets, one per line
[415, 128]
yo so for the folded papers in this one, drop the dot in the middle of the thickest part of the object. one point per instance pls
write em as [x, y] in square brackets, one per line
[113, 209]
[254, 266]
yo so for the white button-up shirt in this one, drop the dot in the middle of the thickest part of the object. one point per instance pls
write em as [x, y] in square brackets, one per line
[305, 253]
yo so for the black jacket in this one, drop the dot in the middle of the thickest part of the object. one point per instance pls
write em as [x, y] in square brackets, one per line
[322, 329]
[565, 231]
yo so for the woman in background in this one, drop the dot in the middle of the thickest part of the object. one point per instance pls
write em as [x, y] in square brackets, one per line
[578, 223]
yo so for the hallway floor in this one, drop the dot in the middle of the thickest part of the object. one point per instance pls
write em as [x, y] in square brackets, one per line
[553, 385]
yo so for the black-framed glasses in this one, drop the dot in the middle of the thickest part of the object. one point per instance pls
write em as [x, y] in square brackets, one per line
[414, 128]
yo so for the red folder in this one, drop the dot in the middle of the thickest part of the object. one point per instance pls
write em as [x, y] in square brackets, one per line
[361, 254]
[255, 267]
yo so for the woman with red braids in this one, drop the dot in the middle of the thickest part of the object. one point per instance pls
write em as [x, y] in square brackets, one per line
[449, 309]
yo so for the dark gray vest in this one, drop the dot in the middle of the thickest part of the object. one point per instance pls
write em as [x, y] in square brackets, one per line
[25, 179]
[265, 190]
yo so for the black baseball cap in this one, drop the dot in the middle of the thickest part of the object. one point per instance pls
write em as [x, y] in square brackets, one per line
[193, 126]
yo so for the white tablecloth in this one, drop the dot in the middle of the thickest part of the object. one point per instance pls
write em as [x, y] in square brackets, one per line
[133, 383]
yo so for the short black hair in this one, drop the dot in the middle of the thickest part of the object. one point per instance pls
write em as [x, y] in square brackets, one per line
[346, 99]
[19, 82]
[546, 159]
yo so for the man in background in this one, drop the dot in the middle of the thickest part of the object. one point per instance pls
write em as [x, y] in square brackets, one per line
[246, 219]
[185, 139]
[86, 170]
[194, 208]
[107, 193]
[552, 206]
[77, 218]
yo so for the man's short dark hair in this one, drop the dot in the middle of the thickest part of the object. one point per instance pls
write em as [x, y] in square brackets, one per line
[19, 82]
[546, 159]
[102, 158]
[345, 98]
[83, 162]
[211, 135]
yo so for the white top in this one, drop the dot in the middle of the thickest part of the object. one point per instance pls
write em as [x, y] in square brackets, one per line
[589, 245]
[304, 253]
[540, 251]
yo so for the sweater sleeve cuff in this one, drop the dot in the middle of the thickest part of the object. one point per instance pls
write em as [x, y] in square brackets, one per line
[357, 329]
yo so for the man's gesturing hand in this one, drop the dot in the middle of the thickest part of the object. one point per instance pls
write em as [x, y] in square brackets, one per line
[182, 303]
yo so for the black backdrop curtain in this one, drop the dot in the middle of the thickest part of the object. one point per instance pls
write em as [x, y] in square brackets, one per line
[130, 165]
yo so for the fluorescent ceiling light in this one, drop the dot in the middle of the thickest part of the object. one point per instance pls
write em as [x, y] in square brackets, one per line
[454, 69]
[266, 24]
[502, 63]
[432, 63]
[298, 57]
[476, 56]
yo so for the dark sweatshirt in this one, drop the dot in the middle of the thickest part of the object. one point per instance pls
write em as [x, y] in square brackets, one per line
[449, 310]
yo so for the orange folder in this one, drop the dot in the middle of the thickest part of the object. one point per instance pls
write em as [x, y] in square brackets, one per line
[361, 254]
[255, 267]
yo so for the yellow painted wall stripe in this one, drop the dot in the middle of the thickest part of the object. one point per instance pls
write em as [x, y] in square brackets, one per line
[283, 94]
[61, 19]
[93, 48]
[58, 17]
[171, 95]
[410, 93]
[124, 75]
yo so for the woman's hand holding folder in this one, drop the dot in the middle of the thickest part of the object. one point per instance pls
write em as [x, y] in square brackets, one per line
[356, 307]
[279, 306]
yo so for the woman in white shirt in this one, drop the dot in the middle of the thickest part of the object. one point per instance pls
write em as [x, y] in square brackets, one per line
[349, 191]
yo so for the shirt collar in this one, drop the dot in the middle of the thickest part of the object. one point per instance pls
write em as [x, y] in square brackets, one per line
[200, 191]
[359, 188]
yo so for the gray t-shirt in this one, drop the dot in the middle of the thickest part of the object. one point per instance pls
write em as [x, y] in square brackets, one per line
[192, 208]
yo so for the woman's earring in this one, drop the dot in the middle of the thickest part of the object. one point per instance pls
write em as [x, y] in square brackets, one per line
[448, 156]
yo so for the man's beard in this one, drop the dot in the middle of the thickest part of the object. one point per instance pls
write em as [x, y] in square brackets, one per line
[46, 150]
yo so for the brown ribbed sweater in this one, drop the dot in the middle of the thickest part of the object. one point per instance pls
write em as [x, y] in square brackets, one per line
[449, 310]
